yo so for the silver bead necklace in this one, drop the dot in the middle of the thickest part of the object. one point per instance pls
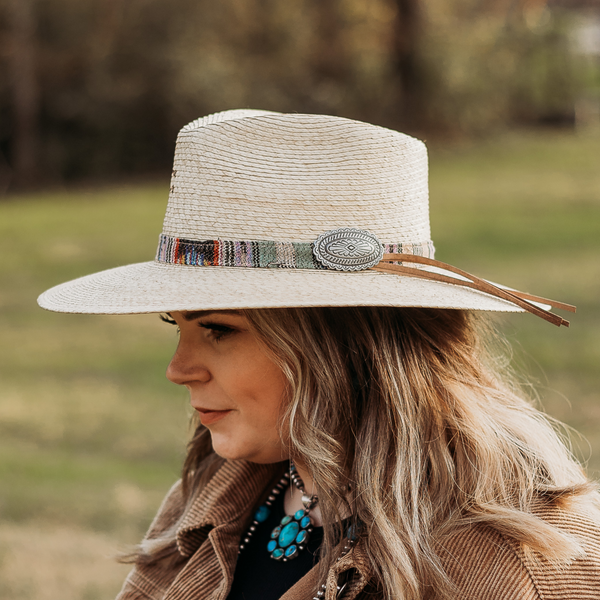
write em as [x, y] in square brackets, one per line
[283, 545]
[291, 536]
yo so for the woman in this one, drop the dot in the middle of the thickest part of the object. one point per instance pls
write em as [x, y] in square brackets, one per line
[356, 439]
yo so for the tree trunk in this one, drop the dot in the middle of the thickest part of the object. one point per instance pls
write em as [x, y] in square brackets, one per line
[411, 113]
[25, 93]
[328, 57]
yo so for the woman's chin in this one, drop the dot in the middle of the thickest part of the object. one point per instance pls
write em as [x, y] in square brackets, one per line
[260, 454]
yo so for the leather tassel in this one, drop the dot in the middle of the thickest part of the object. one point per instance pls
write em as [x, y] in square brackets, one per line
[520, 299]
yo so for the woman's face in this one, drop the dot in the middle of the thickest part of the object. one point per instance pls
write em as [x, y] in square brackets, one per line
[234, 385]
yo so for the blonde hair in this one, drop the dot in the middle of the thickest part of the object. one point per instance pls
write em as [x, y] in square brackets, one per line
[403, 421]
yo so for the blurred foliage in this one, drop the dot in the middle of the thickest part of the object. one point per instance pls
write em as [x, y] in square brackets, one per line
[114, 80]
[492, 69]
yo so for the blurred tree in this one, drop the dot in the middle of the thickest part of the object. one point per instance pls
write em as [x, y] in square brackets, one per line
[495, 64]
[116, 79]
[24, 90]
[328, 59]
[406, 57]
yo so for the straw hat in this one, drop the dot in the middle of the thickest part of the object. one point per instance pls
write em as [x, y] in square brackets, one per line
[274, 210]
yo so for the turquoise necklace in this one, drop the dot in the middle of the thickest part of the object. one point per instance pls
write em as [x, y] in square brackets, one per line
[290, 537]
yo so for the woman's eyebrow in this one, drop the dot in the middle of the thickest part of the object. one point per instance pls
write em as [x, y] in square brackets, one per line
[196, 314]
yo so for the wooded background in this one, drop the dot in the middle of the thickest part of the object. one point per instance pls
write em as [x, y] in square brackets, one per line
[99, 88]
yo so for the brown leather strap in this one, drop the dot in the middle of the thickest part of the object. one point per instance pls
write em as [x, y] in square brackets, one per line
[521, 299]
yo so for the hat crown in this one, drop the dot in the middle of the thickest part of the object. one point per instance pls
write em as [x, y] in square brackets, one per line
[256, 175]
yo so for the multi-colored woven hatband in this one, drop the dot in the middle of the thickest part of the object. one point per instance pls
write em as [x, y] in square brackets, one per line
[259, 254]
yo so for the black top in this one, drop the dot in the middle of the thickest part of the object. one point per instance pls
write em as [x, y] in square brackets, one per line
[258, 576]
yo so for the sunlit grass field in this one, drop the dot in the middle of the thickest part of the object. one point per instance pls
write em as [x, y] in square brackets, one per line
[92, 434]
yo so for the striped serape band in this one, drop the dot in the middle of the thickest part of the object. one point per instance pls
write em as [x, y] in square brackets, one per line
[258, 254]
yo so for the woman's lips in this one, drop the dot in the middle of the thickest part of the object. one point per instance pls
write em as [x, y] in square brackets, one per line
[211, 416]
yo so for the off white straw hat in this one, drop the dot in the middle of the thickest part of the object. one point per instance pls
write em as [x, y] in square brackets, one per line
[279, 210]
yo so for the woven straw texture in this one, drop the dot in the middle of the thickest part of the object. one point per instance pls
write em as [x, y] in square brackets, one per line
[154, 287]
[292, 177]
[257, 175]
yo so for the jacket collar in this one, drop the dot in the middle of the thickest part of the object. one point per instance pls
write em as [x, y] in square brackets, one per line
[357, 562]
[229, 497]
[227, 503]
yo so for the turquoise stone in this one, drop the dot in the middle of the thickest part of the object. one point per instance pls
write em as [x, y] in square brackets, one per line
[291, 552]
[286, 520]
[272, 545]
[277, 553]
[275, 533]
[302, 537]
[305, 522]
[299, 514]
[288, 534]
[262, 514]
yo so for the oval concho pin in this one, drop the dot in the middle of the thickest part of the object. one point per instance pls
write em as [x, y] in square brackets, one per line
[348, 249]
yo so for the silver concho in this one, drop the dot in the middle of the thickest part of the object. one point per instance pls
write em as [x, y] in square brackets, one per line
[348, 249]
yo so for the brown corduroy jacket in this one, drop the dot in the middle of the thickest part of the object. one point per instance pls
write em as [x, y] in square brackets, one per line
[482, 563]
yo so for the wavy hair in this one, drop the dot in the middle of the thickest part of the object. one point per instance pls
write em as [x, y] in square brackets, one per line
[406, 421]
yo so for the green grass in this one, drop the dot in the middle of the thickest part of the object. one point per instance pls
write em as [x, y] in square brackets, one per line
[92, 434]
[83, 400]
[524, 210]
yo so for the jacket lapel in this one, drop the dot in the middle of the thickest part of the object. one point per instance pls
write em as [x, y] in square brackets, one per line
[354, 564]
[209, 535]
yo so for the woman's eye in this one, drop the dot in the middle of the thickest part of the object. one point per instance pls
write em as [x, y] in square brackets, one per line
[169, 320]
[216, 330]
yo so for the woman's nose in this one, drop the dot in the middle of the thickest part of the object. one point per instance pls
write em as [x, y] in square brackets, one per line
[186, 367]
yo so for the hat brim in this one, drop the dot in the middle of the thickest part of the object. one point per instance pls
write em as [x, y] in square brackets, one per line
[153, 287]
